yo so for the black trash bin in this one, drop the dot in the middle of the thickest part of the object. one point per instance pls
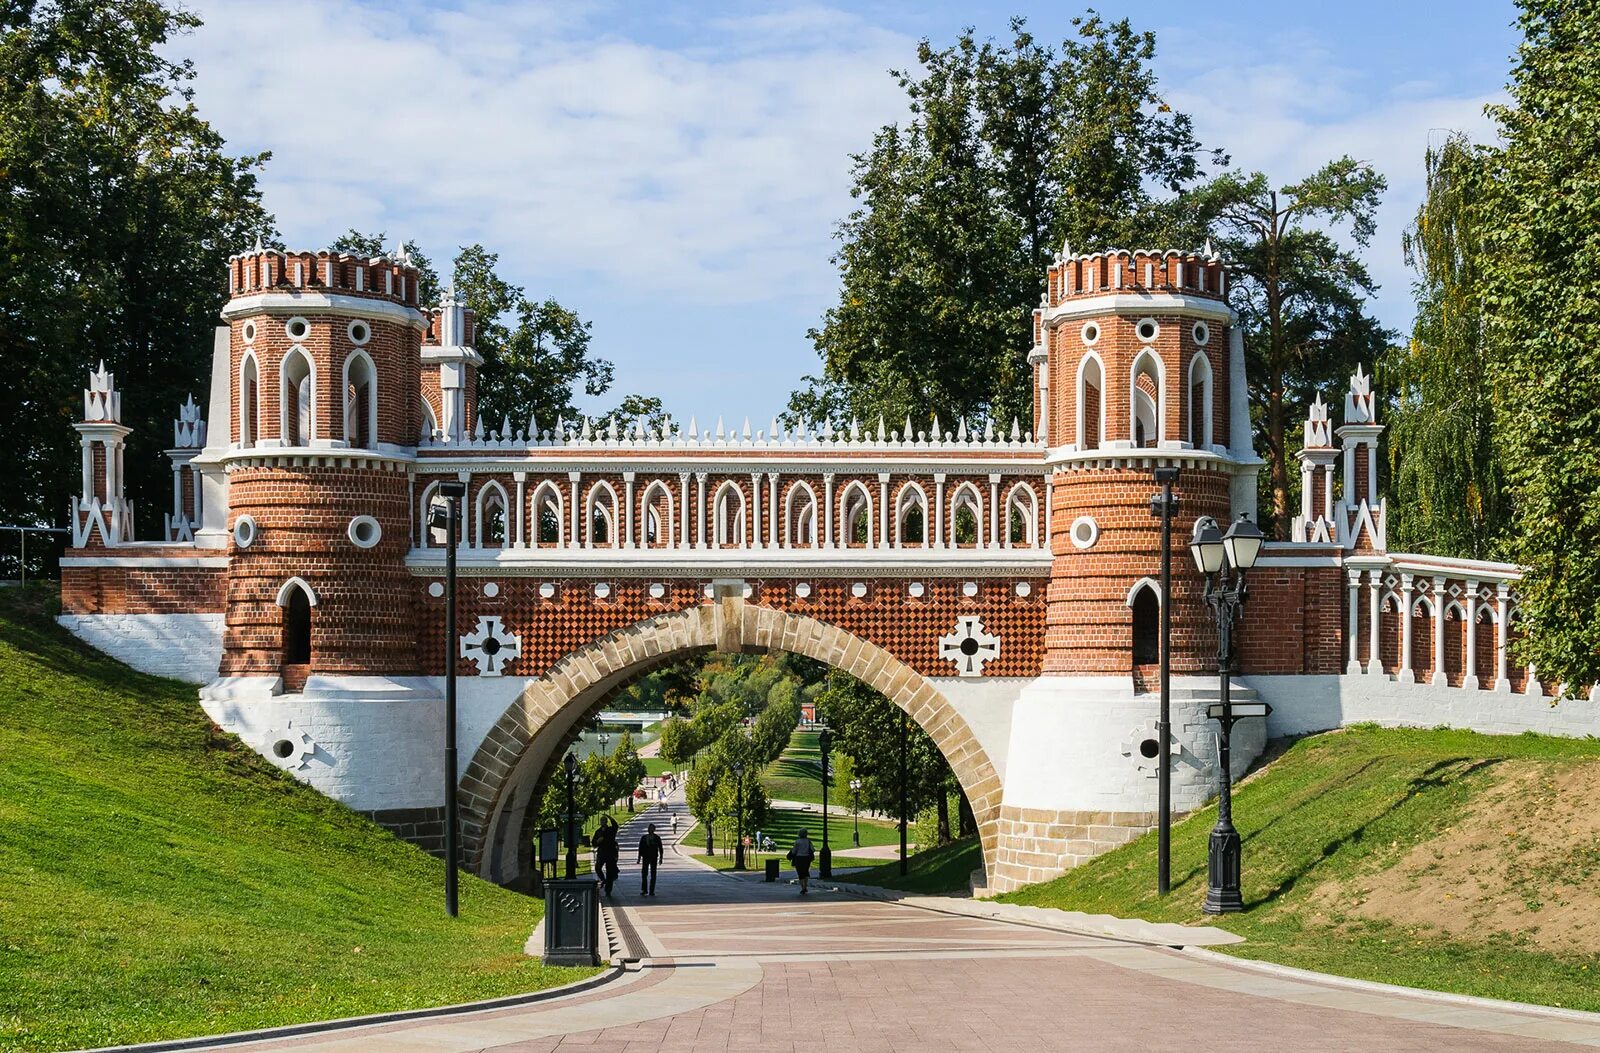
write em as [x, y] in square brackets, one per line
[772, 870]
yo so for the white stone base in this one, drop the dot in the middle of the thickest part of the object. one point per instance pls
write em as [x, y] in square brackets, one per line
[1303, 704]
[183, 646]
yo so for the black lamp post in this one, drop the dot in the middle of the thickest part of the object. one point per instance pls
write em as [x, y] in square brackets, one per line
[604, 738]
[904, 726]
[825, 857]
[1224, 560]
[1164, 505]
[738, 811]
[855, 810]
[711, 789]
[571, 766]
[445, 518]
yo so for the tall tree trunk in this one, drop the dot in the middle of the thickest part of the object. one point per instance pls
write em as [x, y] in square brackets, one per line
[966, 822]
[943, 835]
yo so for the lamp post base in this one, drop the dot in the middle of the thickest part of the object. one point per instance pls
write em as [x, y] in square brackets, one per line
[825, 862]
[738, 856]
[572, 921]
[1222, 872]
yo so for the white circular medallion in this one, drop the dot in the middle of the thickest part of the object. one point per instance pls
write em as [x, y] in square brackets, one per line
[490, 589]
[802, 590]
[436, 589]
[547, 591]
[359, 332]
[915, 590]
[969, 589]
[859, 589]
[657, 591]
[1085, 532]
[1090, 333]
[1024, 589]
[364, 532]
[1201, 333]
[245, 531]
[1147, 330]
[248, 332]
[601, 590]
[297, 329]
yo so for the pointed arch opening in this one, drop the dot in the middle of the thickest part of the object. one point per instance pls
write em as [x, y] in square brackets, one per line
[249, 401]
[296, 599]
[360, 401]
[1022, 517]
[656, 523]
[489, 521]
[1198, 413]
[911, 517]
[1144, 601]
[855, 515]
[966, 517]
[1145, 388]
[297, 399]
[547, 517]
[1091, 402]
[429, 429]
[800, 516]
[602, 516]
[727, 517]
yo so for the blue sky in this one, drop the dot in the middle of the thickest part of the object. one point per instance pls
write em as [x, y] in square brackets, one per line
[674, 171]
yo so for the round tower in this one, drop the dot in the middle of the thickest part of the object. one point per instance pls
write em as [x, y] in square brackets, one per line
[1138, 366]
[324, 361]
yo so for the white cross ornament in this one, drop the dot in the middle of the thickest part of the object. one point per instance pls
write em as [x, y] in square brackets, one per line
[491, 646]
[969, 647]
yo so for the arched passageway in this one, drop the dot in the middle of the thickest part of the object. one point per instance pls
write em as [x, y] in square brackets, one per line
[499, 784]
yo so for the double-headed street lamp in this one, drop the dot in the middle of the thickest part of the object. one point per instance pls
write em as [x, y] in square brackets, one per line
[1224, 560]
[825, 857]
[445, 517]
[855, 810]
[604, 738]
[738, 810]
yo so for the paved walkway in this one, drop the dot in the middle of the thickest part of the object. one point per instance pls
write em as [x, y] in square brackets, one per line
[738, 964]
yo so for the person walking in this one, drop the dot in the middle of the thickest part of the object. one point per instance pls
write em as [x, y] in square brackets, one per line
[801, 855]
[606, 851]
[650, 853]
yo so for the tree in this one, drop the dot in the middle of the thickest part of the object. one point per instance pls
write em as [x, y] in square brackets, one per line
[1540, 283]
[1441, 425]
[1301, 295]
[119, 206]
[1010, 150]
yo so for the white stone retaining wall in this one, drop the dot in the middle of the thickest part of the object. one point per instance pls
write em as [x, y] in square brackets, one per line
[183, 646]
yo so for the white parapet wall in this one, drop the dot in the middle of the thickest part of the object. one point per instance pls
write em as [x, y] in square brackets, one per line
[182, 646]
[1303, 704]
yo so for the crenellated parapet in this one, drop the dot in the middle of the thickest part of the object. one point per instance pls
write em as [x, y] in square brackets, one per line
[262, 271]
[1144, 271]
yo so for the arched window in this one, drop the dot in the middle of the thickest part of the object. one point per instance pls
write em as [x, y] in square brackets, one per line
[800, 516]
[1199, 415]
[547, 517]
[430, 423]
[1146, 606]
[966, 517]
[1091, 402]
[657, 521]
[855, 507]
[297, 399]
[728, 525]
[249, 401]
[360, 401]
[911, 516]
[602, 516]
[1022, 513]
[1423, 660]
[489, 522]
[296, 600]
[1145, 399]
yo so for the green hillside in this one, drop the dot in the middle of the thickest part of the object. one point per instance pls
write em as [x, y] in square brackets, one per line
[1437, 859]
[158, 879]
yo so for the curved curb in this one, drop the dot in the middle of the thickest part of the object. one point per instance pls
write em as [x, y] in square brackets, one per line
[323, 1027]
[1466, 1001]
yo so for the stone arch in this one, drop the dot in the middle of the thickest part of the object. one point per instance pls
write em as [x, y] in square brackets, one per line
[498, 785]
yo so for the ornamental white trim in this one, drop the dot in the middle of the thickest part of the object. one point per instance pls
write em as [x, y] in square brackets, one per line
[490, 646]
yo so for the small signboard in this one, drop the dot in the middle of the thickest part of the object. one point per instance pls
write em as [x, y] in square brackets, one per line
[549, 847]
[1240, 710]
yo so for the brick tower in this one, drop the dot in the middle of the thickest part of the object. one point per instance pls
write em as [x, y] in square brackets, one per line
[324, 357]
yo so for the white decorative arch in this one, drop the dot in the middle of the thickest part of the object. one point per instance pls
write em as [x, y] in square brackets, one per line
[296, 582]
[297, 374]
[1149, 363]
[1143, 583]
[728, 520]
[1453, 611]
[1091, 367]
[548, 493]
[483, 508]
[911, 496]
[1199, 417]
[249, 400]
[1489, 609]
[806, 517]
[1418, 605]
[665, 528]
[855, 499]
[430, 422]
[966, 494]
[1025, 501]
[601, 499]
[358, 367]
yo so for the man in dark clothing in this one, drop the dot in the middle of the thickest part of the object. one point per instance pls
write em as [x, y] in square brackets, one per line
[650, 853]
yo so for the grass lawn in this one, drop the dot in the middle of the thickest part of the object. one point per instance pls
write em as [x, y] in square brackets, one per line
[158, 879]
[947, 868]
[797, 773]
[786, 824]
[1375, 814]
[656, 766]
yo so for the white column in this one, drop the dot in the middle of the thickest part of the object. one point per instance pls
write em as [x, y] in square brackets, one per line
[1354, 664]
[700, 509]
[682, 539]
[1469, 658]
[883, 510]
[466, 511]
[938, 510]
[627, 517]
[1439, 679]
[1502, 596]
[827, 510]
[522, 500]
[1406, 674]
[755, 510]
[177, 494]
[994, 512]
[1374, 610]
[572, 538]
[88, 468]
[772, 509]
